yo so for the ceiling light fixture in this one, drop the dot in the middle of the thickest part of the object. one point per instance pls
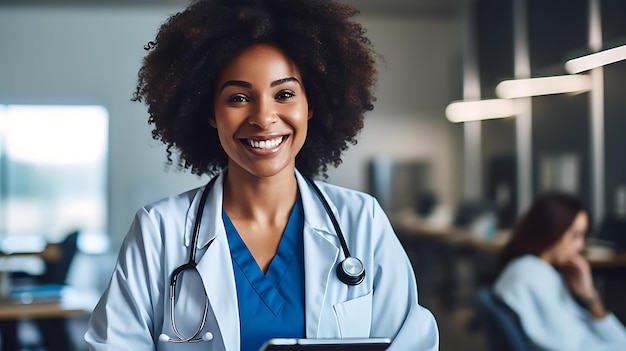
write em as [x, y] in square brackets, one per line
[476, 110]
[597, 59]
[518, 88]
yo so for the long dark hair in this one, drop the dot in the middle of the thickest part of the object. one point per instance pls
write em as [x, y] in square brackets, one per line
[542, 225]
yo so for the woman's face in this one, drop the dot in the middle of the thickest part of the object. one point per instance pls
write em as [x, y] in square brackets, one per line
[261, 111]
[571, 243]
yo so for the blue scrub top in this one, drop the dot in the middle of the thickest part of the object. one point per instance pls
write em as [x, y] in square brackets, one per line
[271, 305]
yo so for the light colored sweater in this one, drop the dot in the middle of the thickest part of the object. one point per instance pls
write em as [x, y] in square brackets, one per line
[549, 315]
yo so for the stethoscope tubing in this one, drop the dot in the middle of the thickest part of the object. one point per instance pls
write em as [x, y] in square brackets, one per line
[333, 219]
[343, 273]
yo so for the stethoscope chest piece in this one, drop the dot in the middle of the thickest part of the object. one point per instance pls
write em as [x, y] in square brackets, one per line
[351, 271]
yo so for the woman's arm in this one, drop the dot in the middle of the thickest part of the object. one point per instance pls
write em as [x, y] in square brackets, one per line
[577, 274]
[395, 300]
[123, 318]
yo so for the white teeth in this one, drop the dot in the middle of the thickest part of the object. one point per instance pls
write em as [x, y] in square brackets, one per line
[265, 144]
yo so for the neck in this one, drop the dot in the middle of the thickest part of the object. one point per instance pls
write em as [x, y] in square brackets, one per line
[546, 257]
[259, 198]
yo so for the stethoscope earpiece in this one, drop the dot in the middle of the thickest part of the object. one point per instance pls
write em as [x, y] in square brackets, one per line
[208, 336]
[351, 271]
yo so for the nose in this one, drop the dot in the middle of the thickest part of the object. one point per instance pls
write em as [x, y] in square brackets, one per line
[263, 115]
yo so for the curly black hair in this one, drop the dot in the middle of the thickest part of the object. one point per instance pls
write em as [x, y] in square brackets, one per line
[335, 59]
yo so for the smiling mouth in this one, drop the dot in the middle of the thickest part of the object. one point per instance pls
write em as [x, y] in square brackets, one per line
[265, 144]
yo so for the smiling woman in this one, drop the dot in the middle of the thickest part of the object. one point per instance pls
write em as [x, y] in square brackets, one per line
[264, 95]
[261, 112]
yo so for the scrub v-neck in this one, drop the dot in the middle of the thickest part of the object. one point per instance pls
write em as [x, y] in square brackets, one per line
[271, 304]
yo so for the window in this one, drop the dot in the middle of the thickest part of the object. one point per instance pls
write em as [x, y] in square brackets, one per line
[53, 170]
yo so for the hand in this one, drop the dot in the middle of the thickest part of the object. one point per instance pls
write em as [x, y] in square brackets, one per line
[577, 274]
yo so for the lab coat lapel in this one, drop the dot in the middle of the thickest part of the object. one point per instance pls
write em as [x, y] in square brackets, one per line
[319, 261]
[215, 268]
[321, 247]
[320, 254]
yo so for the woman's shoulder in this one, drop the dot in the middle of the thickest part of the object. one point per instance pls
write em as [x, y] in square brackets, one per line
[528, 266]
[338, 192]
[526, 263]
[344, 198]
[177, 202]
[527, 271]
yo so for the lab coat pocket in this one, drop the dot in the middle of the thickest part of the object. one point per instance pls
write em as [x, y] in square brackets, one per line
[355, 316]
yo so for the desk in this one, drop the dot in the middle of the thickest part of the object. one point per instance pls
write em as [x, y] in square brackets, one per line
[73, 302]
[413, 226]
[47, 252]
[50, 253]
[48, 317]
[409, 227]
[448, 262]
[439, 253]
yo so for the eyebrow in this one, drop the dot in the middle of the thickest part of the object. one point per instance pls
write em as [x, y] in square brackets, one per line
[285, 80]
[236, 83]
[243, 84]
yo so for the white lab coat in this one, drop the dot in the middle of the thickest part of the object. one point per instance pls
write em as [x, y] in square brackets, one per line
[134, 309]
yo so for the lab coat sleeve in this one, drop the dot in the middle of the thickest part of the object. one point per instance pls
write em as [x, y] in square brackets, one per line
[395, 299]
[123, 318]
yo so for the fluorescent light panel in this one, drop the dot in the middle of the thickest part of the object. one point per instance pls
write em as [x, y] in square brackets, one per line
[466, 111]
[598, 59]
[517, 88]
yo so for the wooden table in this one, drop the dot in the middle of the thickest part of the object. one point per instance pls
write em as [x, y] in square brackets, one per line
[73, 302]
[408, 226]
[437, 251]
[49, 253]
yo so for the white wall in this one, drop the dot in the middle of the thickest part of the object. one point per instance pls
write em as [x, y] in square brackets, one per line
[89, 55]
[421, 59]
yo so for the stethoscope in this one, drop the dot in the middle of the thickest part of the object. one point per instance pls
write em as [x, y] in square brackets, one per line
[350, 271]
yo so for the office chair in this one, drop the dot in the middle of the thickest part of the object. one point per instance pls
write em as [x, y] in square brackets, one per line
[502, 328]
[56, 271]
[54, 333]
[54, 330]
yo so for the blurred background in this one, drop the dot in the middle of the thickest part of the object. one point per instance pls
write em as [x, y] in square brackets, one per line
[77, 155]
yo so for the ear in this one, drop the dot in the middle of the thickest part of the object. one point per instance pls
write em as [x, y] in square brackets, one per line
[310, 114]
[212, 122]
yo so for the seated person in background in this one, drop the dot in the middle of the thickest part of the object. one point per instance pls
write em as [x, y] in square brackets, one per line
[548, 283]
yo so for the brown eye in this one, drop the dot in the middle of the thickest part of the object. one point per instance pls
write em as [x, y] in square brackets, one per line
[237, 99]
[284, 95]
